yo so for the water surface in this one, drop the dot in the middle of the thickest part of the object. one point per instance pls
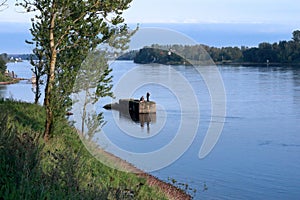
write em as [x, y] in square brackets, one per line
[258, 153]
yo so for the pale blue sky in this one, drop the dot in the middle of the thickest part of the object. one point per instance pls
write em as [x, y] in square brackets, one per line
[197, 11]
[219, 23]
[215, 11]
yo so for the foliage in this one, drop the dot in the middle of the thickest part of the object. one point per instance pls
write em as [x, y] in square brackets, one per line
[3, 77]
[38, 63]
[2, 65]
[60, 169]
[4, 57]
[64, 32]
[93, 82]
[128, 55]
[283, 52]
[158, 55]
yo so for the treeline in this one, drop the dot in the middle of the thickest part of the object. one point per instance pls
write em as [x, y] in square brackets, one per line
[282, 52]
[17, 57]
[157, 55]
[278, 52]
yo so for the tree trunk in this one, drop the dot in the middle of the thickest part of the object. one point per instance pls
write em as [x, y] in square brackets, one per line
[48, 97]
[37, 94]
[49, 121]
[83, 118]
[50, 82]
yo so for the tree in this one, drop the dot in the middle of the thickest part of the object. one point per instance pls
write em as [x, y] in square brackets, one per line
[38, 71]
[3, 59]
[296, 36]
[65, 32]
[93, 82]
[2, 65]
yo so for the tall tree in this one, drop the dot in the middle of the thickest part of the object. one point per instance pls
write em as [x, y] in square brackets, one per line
[66, 31]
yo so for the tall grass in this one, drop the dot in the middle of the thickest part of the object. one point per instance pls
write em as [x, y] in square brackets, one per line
[59, 169]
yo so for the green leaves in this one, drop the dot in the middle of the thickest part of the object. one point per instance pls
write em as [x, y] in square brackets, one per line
[64, 32]
[2, 65]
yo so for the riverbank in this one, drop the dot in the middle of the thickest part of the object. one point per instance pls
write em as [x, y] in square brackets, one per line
[4, 80]
[9, 82]
[15, 80]
[63, 168]
[171, 192]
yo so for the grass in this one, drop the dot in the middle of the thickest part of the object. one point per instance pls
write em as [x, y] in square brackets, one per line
[59, 169]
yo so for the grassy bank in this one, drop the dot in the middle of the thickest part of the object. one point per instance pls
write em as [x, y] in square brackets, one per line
[59, 169]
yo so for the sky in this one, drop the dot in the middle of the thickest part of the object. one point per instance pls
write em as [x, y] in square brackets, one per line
[228, 17]
[195, 11]
[214, 11]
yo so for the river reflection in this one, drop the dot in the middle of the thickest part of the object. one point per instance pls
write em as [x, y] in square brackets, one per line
[144, 120]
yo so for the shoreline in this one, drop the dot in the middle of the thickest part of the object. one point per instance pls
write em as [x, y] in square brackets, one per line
[252, 64]
[111, 160]
[8, 82]
[14, 81]
[245, 64]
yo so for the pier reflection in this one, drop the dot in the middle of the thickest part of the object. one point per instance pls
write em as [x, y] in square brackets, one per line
[144, 120]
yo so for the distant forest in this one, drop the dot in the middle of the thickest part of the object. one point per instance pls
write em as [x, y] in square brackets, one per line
[282, 52]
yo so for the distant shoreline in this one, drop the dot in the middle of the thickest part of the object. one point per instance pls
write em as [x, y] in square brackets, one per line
[244, 64]
[253, 64]
[218, 63]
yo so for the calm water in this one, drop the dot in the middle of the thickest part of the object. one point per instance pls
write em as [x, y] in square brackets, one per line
[22, 90]
[258, 153]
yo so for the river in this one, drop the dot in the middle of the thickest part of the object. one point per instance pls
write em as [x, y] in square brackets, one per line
[257, 155]
[23, 90]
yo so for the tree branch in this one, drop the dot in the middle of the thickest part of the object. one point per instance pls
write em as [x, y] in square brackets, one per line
[59, 41]
[3, 4]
